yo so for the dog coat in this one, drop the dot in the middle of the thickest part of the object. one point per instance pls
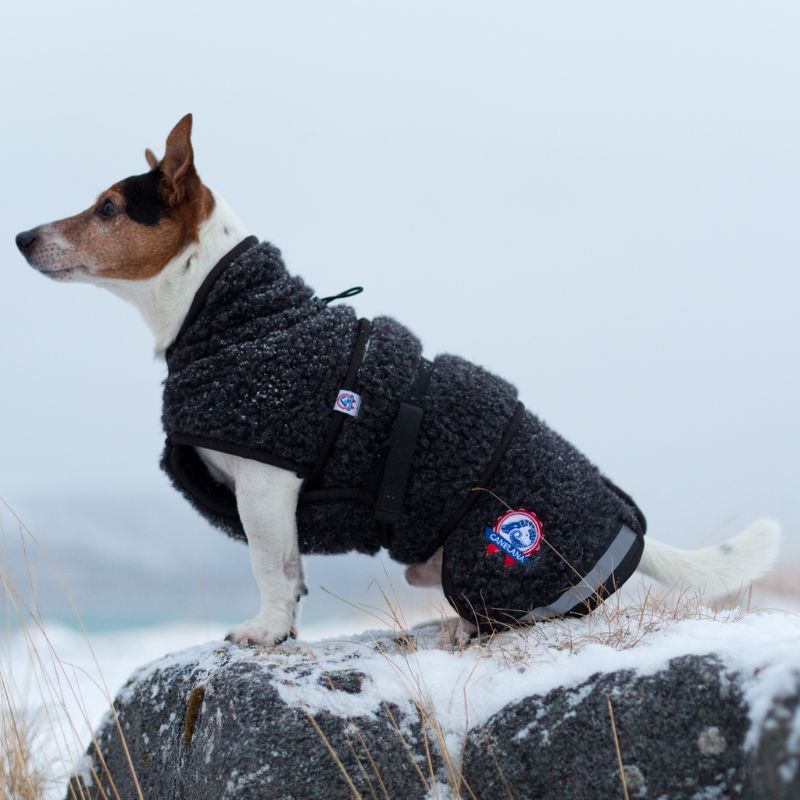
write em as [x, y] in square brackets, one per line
[396, 451]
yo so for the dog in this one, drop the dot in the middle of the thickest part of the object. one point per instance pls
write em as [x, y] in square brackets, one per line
[156, 239]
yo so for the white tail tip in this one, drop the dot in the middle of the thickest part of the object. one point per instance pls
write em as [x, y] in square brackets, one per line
[715, 570]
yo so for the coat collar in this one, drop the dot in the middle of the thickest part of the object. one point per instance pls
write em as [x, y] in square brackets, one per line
[200, 296]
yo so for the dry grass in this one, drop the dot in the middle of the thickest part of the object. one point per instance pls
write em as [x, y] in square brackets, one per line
[618, 623]
[617, 751]
[54, 684]
[21, 778]
[621, 623]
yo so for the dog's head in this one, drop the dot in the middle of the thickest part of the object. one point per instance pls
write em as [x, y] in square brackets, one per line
[134, 228]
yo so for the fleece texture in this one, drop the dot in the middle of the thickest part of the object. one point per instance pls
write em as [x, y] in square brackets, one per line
[256, 370]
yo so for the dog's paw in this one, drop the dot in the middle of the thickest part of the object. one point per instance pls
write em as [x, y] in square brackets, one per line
[259, 631]
[456, 634]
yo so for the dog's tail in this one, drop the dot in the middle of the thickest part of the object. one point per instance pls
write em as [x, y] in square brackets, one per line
[714, 570]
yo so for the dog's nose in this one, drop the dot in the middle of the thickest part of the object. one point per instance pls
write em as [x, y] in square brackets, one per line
[25, 239]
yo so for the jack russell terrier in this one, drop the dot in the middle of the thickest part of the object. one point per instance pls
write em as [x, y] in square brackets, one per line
[297, 427]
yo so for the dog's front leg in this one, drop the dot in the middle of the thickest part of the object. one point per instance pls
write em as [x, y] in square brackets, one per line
[266, 498]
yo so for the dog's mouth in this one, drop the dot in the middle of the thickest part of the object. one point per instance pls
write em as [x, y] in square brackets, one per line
[51, 264]
[59, 273]
[48, 253]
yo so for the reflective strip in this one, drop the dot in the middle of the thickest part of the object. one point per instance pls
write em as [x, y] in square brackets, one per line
[592, 582]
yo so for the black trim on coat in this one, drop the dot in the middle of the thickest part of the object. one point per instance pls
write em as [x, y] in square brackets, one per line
[188, 440]
[199, 299]
[337, 419]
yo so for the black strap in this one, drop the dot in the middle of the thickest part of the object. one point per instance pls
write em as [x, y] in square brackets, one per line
[346, 293]
[402, 443]
[337, 420]
[336, 494]
[486, 478]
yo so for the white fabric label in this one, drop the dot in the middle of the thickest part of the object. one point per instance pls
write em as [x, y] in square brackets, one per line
[347, 402]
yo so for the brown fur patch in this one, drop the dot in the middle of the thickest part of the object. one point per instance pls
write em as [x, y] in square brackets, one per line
[121, 247]
[127, 250]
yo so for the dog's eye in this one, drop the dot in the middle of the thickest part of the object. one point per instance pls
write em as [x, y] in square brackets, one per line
[107, 209]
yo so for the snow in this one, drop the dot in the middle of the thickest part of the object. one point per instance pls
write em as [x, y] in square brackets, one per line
[465, 689]
[462, 688]
[64, 679]
[83, 769]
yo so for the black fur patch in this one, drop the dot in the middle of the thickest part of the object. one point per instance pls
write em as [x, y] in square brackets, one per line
[143, 203]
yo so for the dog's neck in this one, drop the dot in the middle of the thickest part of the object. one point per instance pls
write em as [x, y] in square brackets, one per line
[164, 299]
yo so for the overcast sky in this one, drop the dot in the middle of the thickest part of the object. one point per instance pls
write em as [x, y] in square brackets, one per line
[597, 201]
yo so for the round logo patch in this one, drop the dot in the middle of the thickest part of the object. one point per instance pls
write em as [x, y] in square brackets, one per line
[518, 533]
[347, 403]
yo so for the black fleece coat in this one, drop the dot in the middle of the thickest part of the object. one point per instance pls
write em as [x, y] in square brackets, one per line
[255, 371]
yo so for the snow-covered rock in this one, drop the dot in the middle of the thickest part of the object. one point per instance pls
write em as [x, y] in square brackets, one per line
[680, 732]
[700, 708]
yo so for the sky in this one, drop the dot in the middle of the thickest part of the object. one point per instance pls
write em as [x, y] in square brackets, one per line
[598, 202]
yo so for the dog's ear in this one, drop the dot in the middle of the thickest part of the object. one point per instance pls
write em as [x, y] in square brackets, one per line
[178, 163]
[150, 156]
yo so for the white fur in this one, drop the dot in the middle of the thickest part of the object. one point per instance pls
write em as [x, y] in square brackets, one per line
[164, 299]
[715, 570]
[428, 573]
[266, 496]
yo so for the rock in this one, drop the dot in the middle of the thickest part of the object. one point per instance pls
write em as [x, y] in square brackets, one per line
[346, 721]
[219, 729]
[681, 734]
[775, 762]
[677, 738]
